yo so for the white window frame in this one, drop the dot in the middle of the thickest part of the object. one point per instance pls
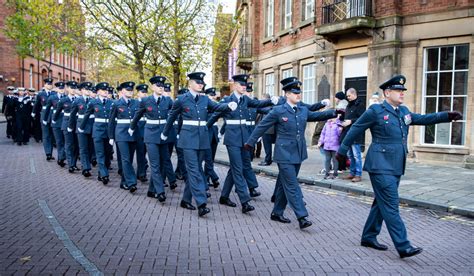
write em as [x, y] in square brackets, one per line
[308, 9]
[309, 83]
[287, 14]
[452, 96]
[269, 18]
[270, 83]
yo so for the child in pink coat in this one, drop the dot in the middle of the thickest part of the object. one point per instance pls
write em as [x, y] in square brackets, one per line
[329, 141]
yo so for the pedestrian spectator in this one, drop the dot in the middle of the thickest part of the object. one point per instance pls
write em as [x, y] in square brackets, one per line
[375, 99]
[354, 110]
[329, 142]
[341, 103]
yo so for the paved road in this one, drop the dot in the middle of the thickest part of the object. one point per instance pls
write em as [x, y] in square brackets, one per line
[120, 233]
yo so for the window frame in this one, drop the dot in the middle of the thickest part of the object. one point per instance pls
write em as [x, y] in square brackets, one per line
[309, 96]
[269, 18]
[270, 88]
[287, 21]
[304, 9]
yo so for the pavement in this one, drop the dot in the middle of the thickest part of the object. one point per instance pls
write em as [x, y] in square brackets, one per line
[53, 222]
[443, 188]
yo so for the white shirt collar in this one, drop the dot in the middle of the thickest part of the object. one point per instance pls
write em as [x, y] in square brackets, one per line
[156, 97]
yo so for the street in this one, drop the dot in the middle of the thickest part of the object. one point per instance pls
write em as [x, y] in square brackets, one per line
[97, 229]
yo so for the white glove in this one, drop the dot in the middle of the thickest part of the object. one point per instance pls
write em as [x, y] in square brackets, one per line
[130, 131]
[275, 99]
[69, 129]
[177, 136]
[44, 122]
[53, 121]
[326, 102]
[232, 106]
[220, 136]
[163, 137]
[111, 142]
[32, 114]
[80, 130]
[259, 139]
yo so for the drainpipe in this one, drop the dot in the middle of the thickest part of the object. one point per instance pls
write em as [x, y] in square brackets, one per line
[415, 98]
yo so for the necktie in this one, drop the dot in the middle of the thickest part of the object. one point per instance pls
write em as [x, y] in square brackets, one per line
[240, 100]
[158, 101]
[294, 108]
[398, 111]
[103, 102]
[196, 98]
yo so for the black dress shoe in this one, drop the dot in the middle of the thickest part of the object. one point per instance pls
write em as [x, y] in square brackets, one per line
[304, 223]
[374, 244]
[86, 173]
[133, 188]
[186, 205]
[61, 163]
[161, 197]
[94, 162]
[409, 252]
[105, 180]
[279, 218]
[143, 178]
[254, 193]
[246, 207]
[273, 199]
[203, 210]
[173, 186]
[49, 157]
[71, 170]
[215, 183]
[151, 194]
[226, 201]
[208, 195]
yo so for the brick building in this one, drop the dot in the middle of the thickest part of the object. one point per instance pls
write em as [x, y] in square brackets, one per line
[30, 72]
[332, 45]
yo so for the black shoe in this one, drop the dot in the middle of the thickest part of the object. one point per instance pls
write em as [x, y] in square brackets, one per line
[263, 163]
[18, 143]
[133, 189]
[208, 195]
[304, 223]
[161, 197]
[279, 218]
[86, 173]
[124, 187]
[104, 179]
[246, 207]
[71, 170]
[409, 252]
[173, 186]
[215, 183]
[49, 157]
[151, 194]
[272, 199]
[374, 244]
[61, 163]
[143, 178]
[94, 162]
[226, 201]
[119, 172]
[203, 210]
[254, 193]
[76, 168]
[186, 205]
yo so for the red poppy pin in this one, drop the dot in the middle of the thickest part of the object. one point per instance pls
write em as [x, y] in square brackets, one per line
[285, 119]
[186, 109]
[121, 109]
[385, 118]
[81, 106]
[150, 108]
[96, 109]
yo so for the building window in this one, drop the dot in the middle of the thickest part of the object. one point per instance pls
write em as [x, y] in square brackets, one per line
[31, 76]
[287, 12]
[60, 77]
[269, 19]
[445, 76]
[270, 84]
[309, 83]
[308, 9]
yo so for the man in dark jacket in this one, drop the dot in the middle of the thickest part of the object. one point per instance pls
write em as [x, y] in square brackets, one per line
[354, 110]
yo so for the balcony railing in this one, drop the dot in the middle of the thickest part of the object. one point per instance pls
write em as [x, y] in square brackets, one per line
[339, 10]
[245, 47]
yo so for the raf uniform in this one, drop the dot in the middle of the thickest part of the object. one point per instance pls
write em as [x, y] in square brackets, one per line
[385, 163]
[209, 171]
[46, 116]
[22, 108]
[99, 109]
[47, 132]
[121, 115]
[64, 108]
[79, 107]
[240, 173]
[290, 151]
[35, 126]
[156, 109]
[9, 112]
[166, 170]
[193, 139]
[142, 163]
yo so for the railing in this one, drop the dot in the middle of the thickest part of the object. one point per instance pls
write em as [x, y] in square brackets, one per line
[245, 47]
[338, 10]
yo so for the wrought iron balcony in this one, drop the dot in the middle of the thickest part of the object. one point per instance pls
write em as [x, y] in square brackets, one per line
[244, 59]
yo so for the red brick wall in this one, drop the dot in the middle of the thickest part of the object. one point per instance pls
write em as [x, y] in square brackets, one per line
[9, 62]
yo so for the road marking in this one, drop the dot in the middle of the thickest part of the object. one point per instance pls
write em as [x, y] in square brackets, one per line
[32, 165]
[75, 252]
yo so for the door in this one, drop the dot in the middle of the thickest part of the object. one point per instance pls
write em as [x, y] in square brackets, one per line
[359, 84]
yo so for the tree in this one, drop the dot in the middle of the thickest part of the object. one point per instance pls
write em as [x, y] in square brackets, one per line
[38, 26]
